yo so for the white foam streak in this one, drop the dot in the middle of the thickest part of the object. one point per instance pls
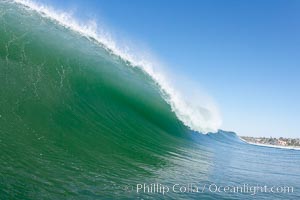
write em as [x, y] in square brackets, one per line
[201, 118]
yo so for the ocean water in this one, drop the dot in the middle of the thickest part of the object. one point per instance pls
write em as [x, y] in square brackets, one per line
[77, 121]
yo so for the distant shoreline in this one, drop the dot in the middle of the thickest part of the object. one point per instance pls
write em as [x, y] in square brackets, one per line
[256, 141]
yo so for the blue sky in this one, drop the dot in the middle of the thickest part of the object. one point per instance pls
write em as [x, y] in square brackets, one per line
[245, 54]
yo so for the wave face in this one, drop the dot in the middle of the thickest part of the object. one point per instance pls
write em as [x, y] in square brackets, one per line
[79, 122]
[202, 117]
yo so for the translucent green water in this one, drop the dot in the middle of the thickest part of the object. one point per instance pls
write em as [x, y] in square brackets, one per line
[77, 122]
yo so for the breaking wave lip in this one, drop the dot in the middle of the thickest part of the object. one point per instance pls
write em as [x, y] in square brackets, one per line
[198, 118]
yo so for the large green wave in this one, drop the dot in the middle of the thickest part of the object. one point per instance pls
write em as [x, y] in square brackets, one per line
[74, 114]
[79, 122]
